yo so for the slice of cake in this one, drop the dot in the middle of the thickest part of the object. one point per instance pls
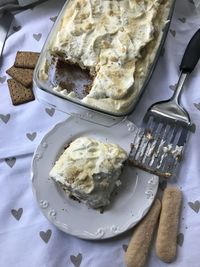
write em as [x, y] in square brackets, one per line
[89, 170]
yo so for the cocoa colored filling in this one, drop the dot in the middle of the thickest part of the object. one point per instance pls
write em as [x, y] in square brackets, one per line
[70, 76]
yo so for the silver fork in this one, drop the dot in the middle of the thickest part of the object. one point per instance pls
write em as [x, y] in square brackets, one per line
[158, 145]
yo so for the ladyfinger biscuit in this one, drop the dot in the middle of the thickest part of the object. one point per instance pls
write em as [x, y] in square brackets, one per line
[138, 248]
[168, 225]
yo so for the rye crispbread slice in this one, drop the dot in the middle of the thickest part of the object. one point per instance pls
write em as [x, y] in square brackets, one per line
[24, 76]
[19, 93]
[26, 59]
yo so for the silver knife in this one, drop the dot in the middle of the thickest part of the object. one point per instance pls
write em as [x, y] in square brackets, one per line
[6, 19]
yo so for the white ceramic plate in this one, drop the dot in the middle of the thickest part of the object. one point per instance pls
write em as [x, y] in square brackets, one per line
[128, 206]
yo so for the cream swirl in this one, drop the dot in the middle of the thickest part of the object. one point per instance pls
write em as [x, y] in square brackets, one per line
[89, 169]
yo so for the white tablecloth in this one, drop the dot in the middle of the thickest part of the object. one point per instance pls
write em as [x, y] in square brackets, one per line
[26, 237]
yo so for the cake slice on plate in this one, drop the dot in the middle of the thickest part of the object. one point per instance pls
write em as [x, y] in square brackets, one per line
[89, 170]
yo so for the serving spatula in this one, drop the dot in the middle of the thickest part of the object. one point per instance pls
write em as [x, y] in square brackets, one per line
[158, 145]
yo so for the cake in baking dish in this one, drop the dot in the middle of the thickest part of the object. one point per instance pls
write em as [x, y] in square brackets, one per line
[115, 42]
[89, 170]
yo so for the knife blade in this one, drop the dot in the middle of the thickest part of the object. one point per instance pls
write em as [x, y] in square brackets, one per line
[5, 22]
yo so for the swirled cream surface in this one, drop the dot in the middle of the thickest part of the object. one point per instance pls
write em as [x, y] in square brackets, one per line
[89, 169]
[114, 41]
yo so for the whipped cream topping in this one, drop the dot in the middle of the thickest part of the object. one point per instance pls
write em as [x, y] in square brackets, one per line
[107, 38]
[90, 169]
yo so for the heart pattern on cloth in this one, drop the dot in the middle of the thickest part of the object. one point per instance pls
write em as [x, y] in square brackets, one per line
[53, 18]
[5, 118]
[124, 246]
[162, 52]
[172, 87]
[17, 28]
[173, 32]
[183, 20]
[197, 106]
[37, 36]
[195, 206]
[163, 185]
[17, 213]
[76, 260]
[180, 239]
[193, 128]
[45, 236]
[2, 79]
[10, 161]
[31, 136]
[50, 111]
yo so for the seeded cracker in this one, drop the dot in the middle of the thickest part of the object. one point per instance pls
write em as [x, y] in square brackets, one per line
[25, 59]
[19, 93]
[24, 76]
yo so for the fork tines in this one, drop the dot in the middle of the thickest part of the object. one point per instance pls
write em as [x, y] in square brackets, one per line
[158, 146]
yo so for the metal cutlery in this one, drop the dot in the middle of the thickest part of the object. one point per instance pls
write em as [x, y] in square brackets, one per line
[5, 22]
[158, 145]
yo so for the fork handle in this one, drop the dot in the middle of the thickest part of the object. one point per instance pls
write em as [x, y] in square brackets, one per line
[192, 54]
